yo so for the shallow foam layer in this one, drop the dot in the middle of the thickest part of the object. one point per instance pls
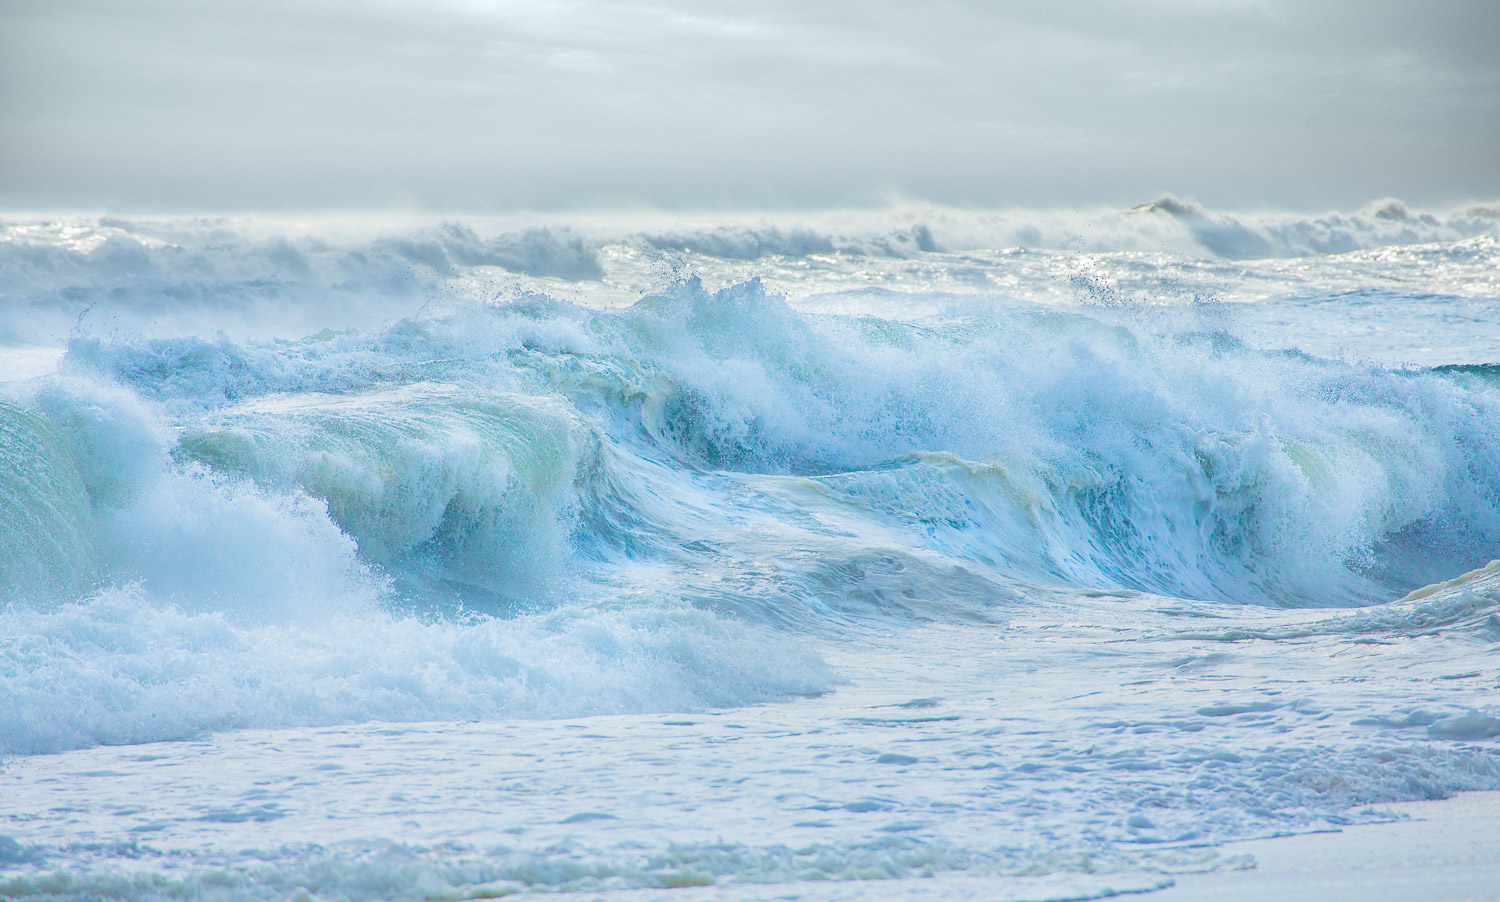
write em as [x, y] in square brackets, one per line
[1443, 850]
[120, 669]
[1098, 744]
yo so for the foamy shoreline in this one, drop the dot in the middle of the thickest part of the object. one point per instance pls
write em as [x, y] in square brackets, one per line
[1446, 849]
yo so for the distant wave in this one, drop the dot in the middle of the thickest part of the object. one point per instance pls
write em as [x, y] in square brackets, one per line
[755, 243]
[1168, 224]
[112, 272]
[1384, 223]
[263, 276]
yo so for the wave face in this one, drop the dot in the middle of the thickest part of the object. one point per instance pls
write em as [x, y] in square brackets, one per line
[548, 504]
[1107, 450]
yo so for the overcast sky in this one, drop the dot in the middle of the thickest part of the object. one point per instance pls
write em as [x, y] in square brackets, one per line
[482, 105]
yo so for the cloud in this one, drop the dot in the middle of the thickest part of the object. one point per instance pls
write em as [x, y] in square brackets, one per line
[469, 105]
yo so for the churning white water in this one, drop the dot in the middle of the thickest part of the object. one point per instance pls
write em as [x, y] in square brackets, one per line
[1025, 555]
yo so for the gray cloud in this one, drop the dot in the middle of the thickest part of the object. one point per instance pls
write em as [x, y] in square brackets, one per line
[470, 105]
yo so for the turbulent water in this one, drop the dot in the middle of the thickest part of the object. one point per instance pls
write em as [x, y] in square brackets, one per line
[1010, 555]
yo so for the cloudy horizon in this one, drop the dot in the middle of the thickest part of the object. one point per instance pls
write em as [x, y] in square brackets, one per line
[468, 106]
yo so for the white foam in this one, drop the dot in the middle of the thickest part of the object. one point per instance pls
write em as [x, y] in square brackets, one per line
[125, 668]
[951, 473]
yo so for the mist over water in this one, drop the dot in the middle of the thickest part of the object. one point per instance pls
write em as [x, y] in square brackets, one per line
[258, 474]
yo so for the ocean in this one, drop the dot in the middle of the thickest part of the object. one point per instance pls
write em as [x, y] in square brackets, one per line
[914, 554]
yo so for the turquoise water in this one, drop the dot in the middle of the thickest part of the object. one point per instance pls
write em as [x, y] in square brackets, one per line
[953, 550]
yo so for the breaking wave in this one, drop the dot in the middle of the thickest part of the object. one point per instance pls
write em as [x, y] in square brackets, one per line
[537, 507]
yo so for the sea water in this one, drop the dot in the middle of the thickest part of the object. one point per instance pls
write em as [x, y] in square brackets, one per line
[920, 554]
